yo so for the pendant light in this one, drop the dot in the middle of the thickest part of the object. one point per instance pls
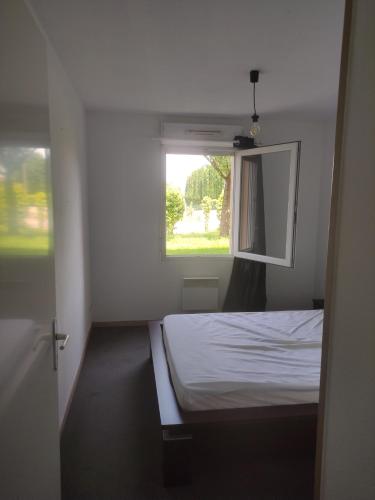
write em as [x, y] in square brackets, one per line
[255, 127]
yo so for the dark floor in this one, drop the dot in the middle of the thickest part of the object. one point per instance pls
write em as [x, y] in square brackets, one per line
[111, 444]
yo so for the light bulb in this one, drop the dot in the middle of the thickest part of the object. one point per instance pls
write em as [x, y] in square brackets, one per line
[254, 129]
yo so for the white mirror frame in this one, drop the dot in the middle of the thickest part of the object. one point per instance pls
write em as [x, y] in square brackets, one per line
[294, 149]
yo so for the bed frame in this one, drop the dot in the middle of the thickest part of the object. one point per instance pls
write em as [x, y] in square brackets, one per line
[178, 426]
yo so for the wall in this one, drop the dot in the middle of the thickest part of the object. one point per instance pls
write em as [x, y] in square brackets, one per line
[67, 122]
[348, 454]
[129, 280]
[296, 287]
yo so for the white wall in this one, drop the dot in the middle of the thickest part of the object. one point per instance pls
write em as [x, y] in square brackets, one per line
[348, 458]
[296, 287]
[129, 280]
[67, 123]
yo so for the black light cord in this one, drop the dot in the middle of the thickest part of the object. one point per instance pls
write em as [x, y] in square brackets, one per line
[255, 111]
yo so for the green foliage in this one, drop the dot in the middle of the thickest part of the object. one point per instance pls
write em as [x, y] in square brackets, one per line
[25, 244]
[23, 184]
[20, 199]
[204, 181]
[3, 205]
[221, 164]
[206, 207]
[189, 210]
[174, 210]
[24, 165]
[219, 204]
[38, 199]
[36, 178]
[198, 244]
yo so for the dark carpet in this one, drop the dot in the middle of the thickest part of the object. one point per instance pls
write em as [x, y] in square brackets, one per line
[111, 443]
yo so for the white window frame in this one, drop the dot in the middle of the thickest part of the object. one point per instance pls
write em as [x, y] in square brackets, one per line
[194, 147]
[294, 149]
[176, 146]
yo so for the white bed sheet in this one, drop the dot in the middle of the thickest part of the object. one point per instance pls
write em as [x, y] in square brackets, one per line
[236, 360]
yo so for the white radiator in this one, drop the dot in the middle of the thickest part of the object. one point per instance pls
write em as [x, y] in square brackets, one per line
[200, 294]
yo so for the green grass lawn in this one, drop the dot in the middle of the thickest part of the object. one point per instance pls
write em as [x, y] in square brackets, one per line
[198, 244]
[24, 245]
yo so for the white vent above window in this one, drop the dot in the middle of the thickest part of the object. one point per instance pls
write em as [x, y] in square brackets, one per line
[196, 132]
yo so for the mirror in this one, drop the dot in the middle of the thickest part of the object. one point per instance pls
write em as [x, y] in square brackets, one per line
[265, 203]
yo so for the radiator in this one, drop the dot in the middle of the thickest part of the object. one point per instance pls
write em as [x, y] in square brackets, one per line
[200, 294]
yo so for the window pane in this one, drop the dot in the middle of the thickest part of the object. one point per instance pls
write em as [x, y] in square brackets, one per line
[264, 193]
[198, 204]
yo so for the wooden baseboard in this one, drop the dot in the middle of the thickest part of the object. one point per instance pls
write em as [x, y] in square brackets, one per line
[109, 324]
[76, 378]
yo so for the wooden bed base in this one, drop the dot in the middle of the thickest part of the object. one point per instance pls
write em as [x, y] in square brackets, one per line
[178, 426]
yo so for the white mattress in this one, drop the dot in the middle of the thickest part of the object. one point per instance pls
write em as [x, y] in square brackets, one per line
[236, 360]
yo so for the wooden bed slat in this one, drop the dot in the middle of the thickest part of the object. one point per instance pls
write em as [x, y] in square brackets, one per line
[169, 411]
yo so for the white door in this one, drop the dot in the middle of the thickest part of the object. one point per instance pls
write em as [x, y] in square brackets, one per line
[29, 433]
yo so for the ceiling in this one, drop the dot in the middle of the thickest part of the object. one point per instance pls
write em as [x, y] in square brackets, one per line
[174, 56]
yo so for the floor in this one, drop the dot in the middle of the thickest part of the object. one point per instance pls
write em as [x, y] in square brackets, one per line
[110, 447]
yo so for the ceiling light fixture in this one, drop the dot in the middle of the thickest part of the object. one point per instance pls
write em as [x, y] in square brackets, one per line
[255, 127]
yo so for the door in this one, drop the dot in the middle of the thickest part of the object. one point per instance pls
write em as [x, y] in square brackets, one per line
[29, 433]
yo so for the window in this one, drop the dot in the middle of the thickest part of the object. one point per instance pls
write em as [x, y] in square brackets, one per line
[265, 203]
[198, 204]
[243, 203]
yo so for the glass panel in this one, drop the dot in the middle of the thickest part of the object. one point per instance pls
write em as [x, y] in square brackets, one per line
[198, 204]
[25, 221]
[263, 212]
[29, 450]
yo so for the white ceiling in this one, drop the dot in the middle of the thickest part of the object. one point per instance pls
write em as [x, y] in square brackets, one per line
[194, 56]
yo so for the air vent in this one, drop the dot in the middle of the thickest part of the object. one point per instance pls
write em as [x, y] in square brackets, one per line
[204, 133]
[193, 131]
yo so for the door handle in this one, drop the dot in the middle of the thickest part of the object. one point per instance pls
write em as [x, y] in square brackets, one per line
[62, 337]
[58, 337]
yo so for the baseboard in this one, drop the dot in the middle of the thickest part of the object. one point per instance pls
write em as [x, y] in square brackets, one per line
[106, 324]
[76, 378]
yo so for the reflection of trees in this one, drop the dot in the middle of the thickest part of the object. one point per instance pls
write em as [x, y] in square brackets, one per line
[23, 184]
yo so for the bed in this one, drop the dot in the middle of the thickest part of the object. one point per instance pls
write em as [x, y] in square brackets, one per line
[229, 368]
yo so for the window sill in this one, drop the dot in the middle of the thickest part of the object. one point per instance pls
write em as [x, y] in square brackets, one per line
[171, 258]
